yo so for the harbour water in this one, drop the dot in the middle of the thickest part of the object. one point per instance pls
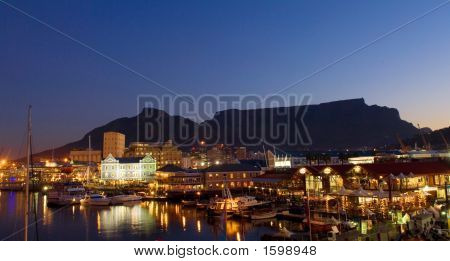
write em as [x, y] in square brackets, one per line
[137, 221]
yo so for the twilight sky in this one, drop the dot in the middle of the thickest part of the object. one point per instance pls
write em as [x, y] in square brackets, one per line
[213, 47]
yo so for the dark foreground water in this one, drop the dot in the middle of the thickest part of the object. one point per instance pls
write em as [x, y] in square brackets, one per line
[136, 221]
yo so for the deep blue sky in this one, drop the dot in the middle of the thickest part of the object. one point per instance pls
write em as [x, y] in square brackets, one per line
[215, 47]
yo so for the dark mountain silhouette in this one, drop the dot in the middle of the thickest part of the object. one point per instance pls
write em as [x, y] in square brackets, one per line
[142, 125]
[347, 124]
[343, 124]
[436, 139]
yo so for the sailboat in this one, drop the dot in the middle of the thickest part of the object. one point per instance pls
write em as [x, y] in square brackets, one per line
[88, 172]
[226, 204]
[27, 177]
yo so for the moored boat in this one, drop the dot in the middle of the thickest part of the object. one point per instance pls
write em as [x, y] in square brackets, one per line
[95, 200]
[220, 206]
[188, 203]
[120, 199]
[248, 202]
[65, 194]
[202, 205]
[151, 197]
[267, 214]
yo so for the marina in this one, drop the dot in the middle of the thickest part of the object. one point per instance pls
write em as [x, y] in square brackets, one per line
[133, 217]
[146, 220]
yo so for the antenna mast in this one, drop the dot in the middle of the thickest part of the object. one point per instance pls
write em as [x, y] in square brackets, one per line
[27, 176]
[89, 163]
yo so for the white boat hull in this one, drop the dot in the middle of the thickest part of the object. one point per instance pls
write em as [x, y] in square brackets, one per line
[124, 198]
[263, 215]
[96, 202]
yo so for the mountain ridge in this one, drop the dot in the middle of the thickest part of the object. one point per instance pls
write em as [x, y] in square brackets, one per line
[342, 124]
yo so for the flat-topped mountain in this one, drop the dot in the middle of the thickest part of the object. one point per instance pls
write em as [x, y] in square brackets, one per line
[346, 124]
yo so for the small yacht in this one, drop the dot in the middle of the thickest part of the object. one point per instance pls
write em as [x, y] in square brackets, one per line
[65, 194]
[248, 202]
[145, 196]
[222, 206]
[95, 200]
[120, 199]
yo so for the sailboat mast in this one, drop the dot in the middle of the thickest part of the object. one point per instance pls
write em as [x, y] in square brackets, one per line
[89, 159]
[27, 176]
[265, 156]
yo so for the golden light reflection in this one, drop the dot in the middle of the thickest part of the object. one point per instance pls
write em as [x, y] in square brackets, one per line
[166, 220]
[183, 218]
[44, 206]
[238, 236]
[232, 227]
[199, 226]
[99, 223]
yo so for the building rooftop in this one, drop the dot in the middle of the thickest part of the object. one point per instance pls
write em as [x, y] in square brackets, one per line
[420, 168]
[171, 168]
[232, 167]
[276, 175]
[129, 159]
[374, 170]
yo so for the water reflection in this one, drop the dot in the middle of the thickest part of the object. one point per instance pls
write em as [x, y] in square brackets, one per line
[136, 221]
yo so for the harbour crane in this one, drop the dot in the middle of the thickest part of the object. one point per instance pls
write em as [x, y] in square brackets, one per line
[404, 148]
[444, 139]
[426, 145]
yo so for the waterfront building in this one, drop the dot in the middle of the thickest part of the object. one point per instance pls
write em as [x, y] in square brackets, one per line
[361, 160]
[186, 162]
[279, 159]
[198, 160]
[405, 176]
[136, 169]
[83, 155]
[216, 155]
[49, 172]
[388, 176]
[138, 149]
[114, 144]
[233, 175]
[282, 180]
[164, 154]
[174, 178]
[12, 176]
[79, 171]
[170, 154]
[240, 153]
